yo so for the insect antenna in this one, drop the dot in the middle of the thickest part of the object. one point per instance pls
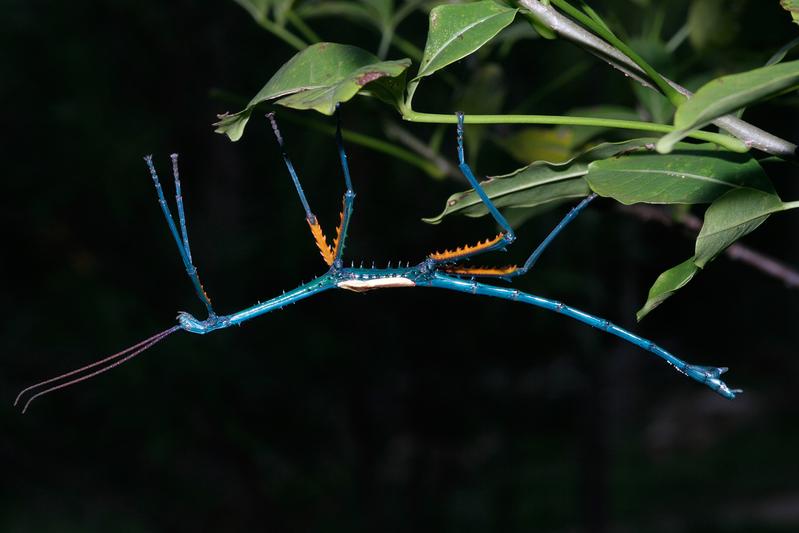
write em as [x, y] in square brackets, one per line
[111, 361]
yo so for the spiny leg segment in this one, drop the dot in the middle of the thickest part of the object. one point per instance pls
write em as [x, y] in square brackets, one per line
[708, 375]
[349, 195]
[182, 239]
[452, 257]
[513, 271]
[506, 237]
[330, 253]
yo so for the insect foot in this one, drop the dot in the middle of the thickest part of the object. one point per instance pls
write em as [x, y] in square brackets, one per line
[188, 323]
[709, 375]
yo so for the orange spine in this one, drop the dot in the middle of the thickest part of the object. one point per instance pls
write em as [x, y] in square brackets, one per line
[466, 250]
[481, 271]
[321, 242]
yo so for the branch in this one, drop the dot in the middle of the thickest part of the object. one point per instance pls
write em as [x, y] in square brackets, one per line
[738, 252]
[751, 135]
[730, 143]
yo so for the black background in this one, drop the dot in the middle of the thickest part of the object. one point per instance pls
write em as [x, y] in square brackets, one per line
[405, 410]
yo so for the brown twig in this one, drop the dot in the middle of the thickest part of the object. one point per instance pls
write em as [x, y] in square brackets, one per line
[568, 29]
[737, 251]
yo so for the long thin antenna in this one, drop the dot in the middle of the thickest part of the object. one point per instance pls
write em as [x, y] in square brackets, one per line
[120, 357]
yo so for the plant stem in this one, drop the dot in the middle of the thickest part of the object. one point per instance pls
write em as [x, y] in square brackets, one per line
[725, 141]
[566, 28]
[674, 96]
[303, 28]
[386, 37]
[282, 33]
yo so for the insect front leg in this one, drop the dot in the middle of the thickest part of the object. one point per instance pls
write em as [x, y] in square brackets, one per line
[182, 238]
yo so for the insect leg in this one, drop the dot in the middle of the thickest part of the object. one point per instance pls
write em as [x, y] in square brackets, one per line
[499, 242]
[512, 271]
[327, 251]
[707, 375]
[182, 243]
[349, 195]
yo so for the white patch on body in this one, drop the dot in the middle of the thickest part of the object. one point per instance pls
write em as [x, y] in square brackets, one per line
[363, 285]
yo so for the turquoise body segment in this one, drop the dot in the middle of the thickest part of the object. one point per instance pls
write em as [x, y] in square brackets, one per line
[707, 375]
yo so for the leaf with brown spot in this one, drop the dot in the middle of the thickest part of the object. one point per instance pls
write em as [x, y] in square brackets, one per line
[318, 78]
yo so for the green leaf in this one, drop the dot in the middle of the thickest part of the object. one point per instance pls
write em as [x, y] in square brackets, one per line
[792, 6]
[728, 93]
[457, 30]
[318, 77]
[694, 173]
[390, 90]
[324, 99]
[732, 216]
[667, 284]
[540, 184]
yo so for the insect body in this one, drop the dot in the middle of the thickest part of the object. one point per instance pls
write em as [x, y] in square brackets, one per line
[442, 270]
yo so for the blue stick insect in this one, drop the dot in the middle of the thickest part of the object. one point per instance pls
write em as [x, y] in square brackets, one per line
[442, 270]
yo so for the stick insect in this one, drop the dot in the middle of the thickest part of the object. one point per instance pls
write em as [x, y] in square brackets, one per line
[447, 269]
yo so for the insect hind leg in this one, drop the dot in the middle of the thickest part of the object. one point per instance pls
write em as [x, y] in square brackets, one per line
[501, 241]
[514, 271]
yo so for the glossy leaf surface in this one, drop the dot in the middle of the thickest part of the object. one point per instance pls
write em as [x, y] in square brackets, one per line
[317, 78]
[729, 93]
[732, 216]
[667, 284]
[691, 174]
[540, 184]
[457, 30]
[792, 6]
[729, 218]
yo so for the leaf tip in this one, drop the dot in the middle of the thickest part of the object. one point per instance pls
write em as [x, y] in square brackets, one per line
[232, 125]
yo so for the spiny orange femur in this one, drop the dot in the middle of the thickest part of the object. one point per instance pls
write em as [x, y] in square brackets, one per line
[321, 241]
[327, 251]
[337, 240]
[481, 271]
[466, 250]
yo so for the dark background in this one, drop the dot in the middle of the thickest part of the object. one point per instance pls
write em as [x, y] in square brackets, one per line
[392, 411]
